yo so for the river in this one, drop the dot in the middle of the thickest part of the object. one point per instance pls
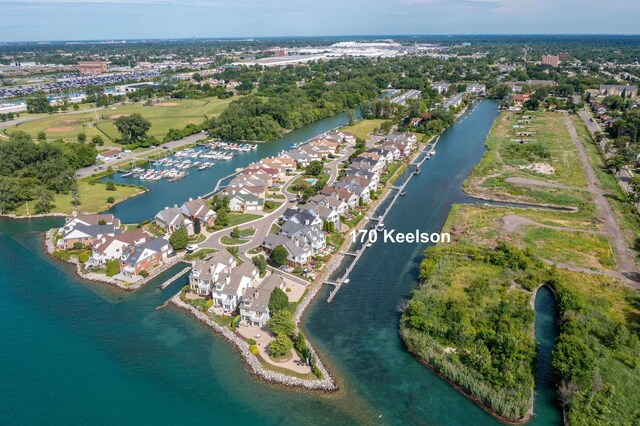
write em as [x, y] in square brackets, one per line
[76, 352]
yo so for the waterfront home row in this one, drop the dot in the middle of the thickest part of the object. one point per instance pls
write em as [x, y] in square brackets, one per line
[231, 285]
[302, 233]
[190, 216]
[135, 251]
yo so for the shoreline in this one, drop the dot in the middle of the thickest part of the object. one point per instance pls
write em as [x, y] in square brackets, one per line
[324, 385]
[103, 279]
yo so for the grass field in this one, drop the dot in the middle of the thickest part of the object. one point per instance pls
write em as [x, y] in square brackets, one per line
[162, 118]
[506, 159]
[93, 198]
[363, 127]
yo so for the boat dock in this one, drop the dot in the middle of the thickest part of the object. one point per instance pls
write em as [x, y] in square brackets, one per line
[175, 277]
[344, 279]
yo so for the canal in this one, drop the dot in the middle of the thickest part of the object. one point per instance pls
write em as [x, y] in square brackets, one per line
[76, 352]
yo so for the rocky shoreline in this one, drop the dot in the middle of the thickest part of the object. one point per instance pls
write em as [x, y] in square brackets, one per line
[102, 278]
[327, 384]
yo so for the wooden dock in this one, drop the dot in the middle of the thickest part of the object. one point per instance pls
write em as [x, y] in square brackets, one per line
[344, 279]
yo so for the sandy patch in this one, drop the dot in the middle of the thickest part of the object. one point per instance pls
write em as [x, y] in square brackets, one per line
[61, 129]
[542, 168]
[113, 117]
[165, 104]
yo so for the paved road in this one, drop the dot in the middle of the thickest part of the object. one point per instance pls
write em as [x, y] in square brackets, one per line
[626, 264]
[131, 156]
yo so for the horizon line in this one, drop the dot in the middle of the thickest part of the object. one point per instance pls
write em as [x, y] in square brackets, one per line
[247, 38]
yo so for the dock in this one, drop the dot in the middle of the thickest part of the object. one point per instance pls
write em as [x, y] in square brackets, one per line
[175, 277]
[344, 279]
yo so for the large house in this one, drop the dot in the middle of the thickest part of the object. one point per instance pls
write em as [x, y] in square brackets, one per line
[144, 257]
[198, 211]
[171, 219]
[299, 250]
[311, 233]
[283, 164]
[228, 289]
[86, 229]
[619, 90]
[254, 308]
[244, 201]
[109, 155]
[112, 247]
[205, 273]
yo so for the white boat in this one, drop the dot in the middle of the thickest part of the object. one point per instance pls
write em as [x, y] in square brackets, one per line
[380, 227]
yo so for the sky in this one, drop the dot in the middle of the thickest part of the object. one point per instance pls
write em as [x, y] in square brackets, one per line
[35, 20]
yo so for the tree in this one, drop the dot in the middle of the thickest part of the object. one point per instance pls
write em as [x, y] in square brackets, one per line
[280, 346]
[44, 200]
[111, 186]
[260, 263]
[75, 195]
[39, 104]
[82, 137]
[179, 239]
[301, 344]
[279, 255]
[132, 128]
[281, 322]
[97, 140]
[235, 232]
[42, 136]
[315, 168]
[278, 300]
[111, 200]
[113, 267]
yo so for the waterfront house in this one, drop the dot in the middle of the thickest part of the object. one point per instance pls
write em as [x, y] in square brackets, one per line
[341, 207]
[301, 217]
[112, 247]
[324, 213]
[86, 229]
[311, 233]
[361, 191]
[229, 287]
[198, 211]
[145, 257]
[341, 194]
[249, 183]
[244, 201]
[476, 89]
[283, 164]
[340, 137]
[254, 309]
[171, 219]
[305, 155]
[298, 249]
[388, 154]
[262, 171]
[204, 273]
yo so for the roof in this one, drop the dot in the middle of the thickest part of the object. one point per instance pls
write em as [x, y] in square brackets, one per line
[260, 296]
[134, 237]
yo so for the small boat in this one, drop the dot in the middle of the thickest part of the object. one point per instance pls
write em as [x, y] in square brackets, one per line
[416, 171]
[432, 152]
[380, 227]
[403, 193]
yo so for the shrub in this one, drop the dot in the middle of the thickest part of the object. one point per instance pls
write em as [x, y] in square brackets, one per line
[78, 245]
[83, 257]
[281, 346]
[251, 342]
[111, 200]
[111, 186]
[144, 273]
[208, 304]
[254, 349]
[179, 239]
[113, 267]
[316, 371]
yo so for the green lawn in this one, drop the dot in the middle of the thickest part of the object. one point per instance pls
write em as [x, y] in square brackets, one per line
[236, 219]
[200, 254]
[162, 119]
[363, 127]
[93, 198]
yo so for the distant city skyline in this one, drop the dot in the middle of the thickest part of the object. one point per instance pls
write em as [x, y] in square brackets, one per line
[48, 20]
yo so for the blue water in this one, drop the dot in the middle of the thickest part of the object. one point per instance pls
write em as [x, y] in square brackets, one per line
[78, 352]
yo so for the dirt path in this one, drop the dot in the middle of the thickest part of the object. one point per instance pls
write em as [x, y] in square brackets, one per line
[544, 183]
[513, 223]
[626, 264]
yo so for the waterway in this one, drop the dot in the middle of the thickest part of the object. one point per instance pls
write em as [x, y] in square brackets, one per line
[77, 352]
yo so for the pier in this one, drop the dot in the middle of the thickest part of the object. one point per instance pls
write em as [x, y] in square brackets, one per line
[175, 277]
[344, 279]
